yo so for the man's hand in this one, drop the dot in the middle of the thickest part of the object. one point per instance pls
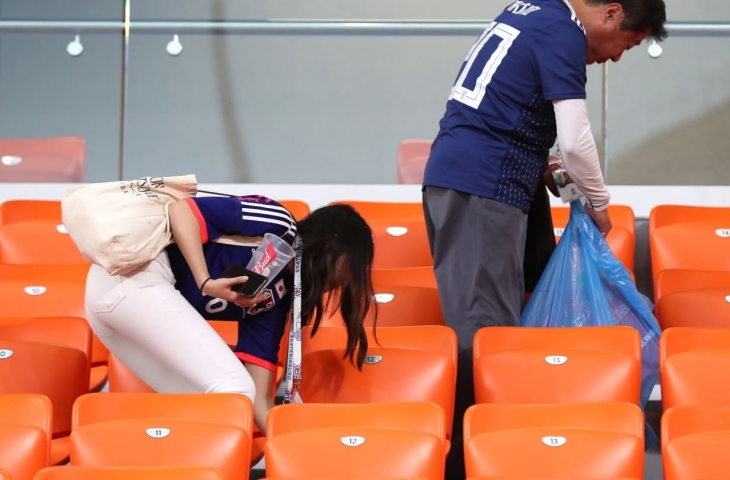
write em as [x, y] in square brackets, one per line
[601, 219]
[549, 181]
[547, 176]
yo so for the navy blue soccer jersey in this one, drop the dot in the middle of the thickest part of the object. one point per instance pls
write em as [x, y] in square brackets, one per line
[261, 326]
[499, 125]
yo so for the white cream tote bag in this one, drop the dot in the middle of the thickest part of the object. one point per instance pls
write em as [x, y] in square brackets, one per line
[122, 226]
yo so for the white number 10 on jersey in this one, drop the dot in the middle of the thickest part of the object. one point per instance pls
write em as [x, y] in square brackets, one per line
[474, 97]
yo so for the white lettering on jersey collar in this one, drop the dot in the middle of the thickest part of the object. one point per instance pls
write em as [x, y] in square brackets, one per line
[522, 8]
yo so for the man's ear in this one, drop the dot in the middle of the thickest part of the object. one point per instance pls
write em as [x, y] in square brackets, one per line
[613, 12]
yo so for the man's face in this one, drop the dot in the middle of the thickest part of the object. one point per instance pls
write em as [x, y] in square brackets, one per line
[606, 40]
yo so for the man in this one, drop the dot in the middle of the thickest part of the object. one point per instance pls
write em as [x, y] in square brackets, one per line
[521, 86]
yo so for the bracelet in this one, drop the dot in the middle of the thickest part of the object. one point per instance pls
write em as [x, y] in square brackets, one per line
[203, 285]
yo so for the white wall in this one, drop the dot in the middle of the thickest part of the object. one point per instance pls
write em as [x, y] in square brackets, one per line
[327, 108]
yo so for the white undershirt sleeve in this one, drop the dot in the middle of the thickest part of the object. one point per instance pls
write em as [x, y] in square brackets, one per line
[579, 152]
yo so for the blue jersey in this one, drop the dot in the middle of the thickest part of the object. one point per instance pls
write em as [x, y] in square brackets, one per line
[261, 326]
[499, 125]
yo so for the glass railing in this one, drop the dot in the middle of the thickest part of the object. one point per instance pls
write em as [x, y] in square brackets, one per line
[325, 101]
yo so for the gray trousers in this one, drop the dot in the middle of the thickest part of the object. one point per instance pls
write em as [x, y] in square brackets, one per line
[478, 250]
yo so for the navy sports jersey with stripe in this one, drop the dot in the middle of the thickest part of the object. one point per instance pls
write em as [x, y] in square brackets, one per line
[499, 125]
[261, 326]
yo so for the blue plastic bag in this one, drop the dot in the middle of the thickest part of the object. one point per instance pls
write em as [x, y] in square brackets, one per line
[585, 285]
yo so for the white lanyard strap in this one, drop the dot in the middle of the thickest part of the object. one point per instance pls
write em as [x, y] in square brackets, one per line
[294, 360]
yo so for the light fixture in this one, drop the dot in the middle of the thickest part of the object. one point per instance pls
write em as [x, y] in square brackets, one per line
[175, 48]
[74, 47]
[655, 50]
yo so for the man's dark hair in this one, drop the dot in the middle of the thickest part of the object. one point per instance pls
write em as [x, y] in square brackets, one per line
[640, 15]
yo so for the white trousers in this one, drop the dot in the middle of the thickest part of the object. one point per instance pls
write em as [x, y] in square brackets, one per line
[150, 327]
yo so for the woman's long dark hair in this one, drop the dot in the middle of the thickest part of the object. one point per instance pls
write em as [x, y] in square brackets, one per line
[337, 258]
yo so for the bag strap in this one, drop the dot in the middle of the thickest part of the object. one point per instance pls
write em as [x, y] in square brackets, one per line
[217, 193]
[294, 361]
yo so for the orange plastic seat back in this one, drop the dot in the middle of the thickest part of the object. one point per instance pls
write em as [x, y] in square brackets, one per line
[696, 378]
[123, 380]
[19, 211]
[622, 216]
[423, 417]
[610, 416]
[409, 276]
[51, 159]
[41, 273]
[355, 452]
[620, 339]
[555, 453]
[690, 420]
[678, 340]
[414, 147]
[43, 299]
[586, 376]
[411, 170]
[388, 375]
[71, 332]
[411, 159]
[163, 443]
[708, 308]
[561, 367]
[75, 472]
[29, 409]
[32, 233]
[374, 210]
[227, 330]
[23, 450]
[297, 208]
[664, 215]
[226, 408]
[400, 243]
[696, 246]
[400, 306]
[703, 455]
[432, 338]
[623, 246]
[35, 296]
[682, 280]
[58, 372]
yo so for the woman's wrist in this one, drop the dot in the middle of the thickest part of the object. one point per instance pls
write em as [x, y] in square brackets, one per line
[202, 285]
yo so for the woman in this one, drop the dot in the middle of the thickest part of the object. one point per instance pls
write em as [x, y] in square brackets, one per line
[154, 320]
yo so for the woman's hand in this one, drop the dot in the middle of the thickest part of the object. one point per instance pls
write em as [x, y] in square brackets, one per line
[221, 288]
[245, 302]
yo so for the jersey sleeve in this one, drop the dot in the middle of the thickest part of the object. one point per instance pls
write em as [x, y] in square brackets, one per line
[217, 216]
[247, 216]
[262, 215]
[560, 52]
